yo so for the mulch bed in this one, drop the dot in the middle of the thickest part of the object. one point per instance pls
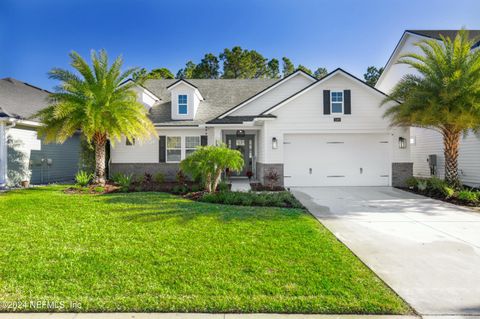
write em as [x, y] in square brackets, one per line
[166, 187]
[92, 189]
[257, 187]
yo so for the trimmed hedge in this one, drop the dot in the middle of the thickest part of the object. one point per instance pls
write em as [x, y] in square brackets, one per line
[277, 199]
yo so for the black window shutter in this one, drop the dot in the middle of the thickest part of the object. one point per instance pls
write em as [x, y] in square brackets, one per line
[203, 140]
[326, 101]
[162, 143]
[347, 101]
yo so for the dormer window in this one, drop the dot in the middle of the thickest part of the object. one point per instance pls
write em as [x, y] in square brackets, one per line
[182, 104]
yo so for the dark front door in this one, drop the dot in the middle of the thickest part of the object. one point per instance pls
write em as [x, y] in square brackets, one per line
[244, 145]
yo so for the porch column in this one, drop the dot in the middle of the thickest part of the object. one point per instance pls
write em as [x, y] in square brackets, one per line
[3, 155]
[214, 136]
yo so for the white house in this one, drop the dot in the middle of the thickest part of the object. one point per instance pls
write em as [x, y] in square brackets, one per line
[310, 132]
[23, 156]
[427, 145]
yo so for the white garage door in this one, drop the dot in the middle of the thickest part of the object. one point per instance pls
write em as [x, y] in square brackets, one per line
[336, 160]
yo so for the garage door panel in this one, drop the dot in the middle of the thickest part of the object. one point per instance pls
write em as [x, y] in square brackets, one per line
[340, 160]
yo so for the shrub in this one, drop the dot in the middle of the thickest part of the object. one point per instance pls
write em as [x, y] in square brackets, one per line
[223, 187]
[422, 185]
[83, 178]
[180, 189]
[279, 199]
[147, 178]
[123, 180]
[438, 187]
[272, 178]
[468, 196]
[180, 177]
[411, 182]
[159, 178]
[209, 162]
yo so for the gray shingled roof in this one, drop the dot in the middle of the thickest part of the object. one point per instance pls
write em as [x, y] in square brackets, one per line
[21, 100]
[219, 95]
[435, 34]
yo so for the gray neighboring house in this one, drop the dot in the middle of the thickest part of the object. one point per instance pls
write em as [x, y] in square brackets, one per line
[23, 156]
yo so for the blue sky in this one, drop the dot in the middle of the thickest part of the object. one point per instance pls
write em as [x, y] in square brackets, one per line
[37, 35]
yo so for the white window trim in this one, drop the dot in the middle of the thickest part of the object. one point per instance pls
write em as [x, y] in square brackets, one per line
[183, 146]
[189, 148]
[331, 102]
[167, 148]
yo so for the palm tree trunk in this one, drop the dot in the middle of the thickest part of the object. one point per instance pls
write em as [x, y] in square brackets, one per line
[216, 179]
[100, 143]
[451, 143]
[208, 183]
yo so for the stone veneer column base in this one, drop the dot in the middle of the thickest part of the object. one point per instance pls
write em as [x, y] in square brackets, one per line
[169, 170]
[263, 169]
[400, 173]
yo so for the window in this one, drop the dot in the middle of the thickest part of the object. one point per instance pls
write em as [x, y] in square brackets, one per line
[182, 104]
[191, 143]
[337, 102]
[174, 148]
[129, 142]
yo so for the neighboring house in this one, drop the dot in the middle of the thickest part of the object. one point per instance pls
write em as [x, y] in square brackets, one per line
[426, 144]
[23, 156]
[326, 132]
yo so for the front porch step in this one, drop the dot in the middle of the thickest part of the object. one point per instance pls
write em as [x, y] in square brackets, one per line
[240, 184]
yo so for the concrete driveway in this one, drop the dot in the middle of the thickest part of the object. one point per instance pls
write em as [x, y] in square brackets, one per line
[428, 251]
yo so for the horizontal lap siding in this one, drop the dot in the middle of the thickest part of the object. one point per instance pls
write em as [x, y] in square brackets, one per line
[64, 157]
[274, 96]
[65, 161]
[146, 151]
[431, 142]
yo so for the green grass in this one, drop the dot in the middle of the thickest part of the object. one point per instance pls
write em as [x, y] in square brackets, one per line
[159, 252]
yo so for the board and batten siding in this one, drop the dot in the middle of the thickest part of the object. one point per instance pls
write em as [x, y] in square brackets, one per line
[276, 95]
[305, 115]
[147, 151]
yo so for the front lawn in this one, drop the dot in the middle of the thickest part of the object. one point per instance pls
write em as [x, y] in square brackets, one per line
[159, 252]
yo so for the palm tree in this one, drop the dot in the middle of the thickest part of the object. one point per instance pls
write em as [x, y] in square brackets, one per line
[444, 95]
[96, 102]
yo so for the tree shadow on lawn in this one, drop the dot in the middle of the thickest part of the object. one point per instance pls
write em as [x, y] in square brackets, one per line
[154, 207]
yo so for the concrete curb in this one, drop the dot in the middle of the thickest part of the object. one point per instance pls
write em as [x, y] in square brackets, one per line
[127, 315]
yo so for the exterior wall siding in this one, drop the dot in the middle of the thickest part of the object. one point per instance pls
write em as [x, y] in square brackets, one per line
[147, 151]
[47, 163]
[427, 141]
[395, 72]
[274, 96]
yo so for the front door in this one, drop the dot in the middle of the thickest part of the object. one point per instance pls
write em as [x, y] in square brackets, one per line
[244, 145]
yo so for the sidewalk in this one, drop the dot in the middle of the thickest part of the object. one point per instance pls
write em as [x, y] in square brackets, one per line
[189, 316]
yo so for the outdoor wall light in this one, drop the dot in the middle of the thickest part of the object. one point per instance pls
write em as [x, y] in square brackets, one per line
[240, 133]
[274, 143]
[402, 142]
